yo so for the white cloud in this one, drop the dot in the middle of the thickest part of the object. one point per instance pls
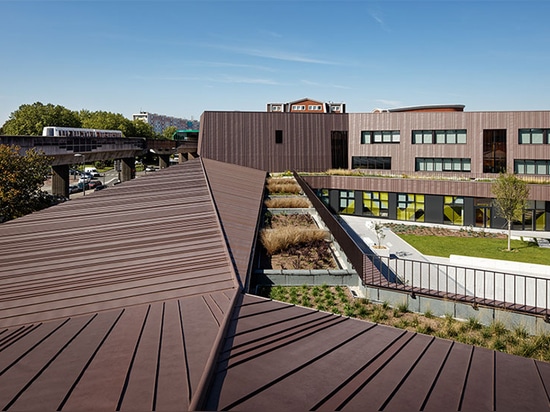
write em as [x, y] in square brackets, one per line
[274, 54]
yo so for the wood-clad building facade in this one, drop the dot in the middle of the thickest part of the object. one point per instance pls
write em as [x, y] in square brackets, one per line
[273, 141]
[436, 158]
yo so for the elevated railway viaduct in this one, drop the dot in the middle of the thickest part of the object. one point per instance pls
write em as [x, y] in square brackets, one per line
[64, 150]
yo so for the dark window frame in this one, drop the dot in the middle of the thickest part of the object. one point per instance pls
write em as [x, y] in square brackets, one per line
[431, 135]
[545, 135]
[368, 136]
[371, 162]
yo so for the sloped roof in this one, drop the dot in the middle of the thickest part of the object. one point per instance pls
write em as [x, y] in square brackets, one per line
[118, 300]
[132, 299]
[305, 99]
[149, 239]
[283, 357]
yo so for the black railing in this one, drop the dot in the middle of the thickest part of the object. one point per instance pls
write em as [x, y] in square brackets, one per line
[517, 292]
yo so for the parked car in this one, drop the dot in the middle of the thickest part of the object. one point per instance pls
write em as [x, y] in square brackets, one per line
[92, 184]
[82, 186]
[151, 169]
[85, 177]
[74, 189]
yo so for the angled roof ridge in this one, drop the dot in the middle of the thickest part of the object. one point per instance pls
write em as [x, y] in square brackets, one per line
[237, 193]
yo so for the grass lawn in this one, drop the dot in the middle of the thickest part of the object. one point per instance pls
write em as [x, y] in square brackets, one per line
[479, 247]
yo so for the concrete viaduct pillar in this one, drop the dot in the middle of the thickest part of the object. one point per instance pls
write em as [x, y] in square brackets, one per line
[128, 169]
[164, 160]
[60, 180]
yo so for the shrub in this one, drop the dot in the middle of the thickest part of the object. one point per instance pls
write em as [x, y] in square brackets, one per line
[283, 186]
[287, 203]
[281, 239]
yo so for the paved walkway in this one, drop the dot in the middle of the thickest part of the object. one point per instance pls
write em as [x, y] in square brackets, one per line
[512, 282]
[364, 228]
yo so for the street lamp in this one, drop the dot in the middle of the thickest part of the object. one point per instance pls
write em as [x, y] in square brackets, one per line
[83, 167]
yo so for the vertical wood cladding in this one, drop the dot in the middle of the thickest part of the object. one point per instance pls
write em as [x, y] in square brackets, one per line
[404, 154]
[424, 186]
[249, 139]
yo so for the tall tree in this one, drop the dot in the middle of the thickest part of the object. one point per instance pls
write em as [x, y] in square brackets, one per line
[169, 131]
[21, 180]
[142, 129]
[30, 119]
[106, 120]
[511, 196]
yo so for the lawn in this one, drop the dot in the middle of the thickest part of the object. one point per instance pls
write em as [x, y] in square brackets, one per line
[483, 247]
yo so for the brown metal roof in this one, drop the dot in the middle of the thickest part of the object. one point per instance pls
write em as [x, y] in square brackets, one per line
[130, 299]
[238, 196]
[151, 239]
[283, 357]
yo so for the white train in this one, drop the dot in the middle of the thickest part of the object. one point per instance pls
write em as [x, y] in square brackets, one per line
[54, 131]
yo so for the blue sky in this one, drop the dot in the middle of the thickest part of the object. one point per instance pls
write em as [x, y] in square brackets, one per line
[181, 58]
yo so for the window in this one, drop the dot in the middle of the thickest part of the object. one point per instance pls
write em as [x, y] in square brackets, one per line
[380, 136]
[368, 162]
[314, 107]
[347, 202]
[494, 150]
[324, 195]
[453, 210]
[533, 136]
[532, 167]
[298, 107]
[278, 136]
[335, 108]
[276, 108]
[439, 136]
[410, 207]
[428, 164]
[375, 204]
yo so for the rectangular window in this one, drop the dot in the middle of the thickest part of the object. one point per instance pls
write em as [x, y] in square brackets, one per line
[428, 164]
[375, 204]
[532, 167]
[314, 107]
[347, 202]
[453, 210]
[380, 136]
[410, 207]
[278, 136]
[533, 136]
[298, 107]
[439, 136]
[368, 162]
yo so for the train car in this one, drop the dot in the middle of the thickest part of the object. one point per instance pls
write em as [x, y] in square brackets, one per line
[55, 131]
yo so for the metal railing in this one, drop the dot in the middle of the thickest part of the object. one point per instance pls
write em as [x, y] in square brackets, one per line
[517, 292]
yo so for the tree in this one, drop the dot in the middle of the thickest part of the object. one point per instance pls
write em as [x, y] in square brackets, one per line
[380, 234]
[169, 132]
[142, 129]
[30, 119]
[511, 196]
[21, 179]
[106, 121]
